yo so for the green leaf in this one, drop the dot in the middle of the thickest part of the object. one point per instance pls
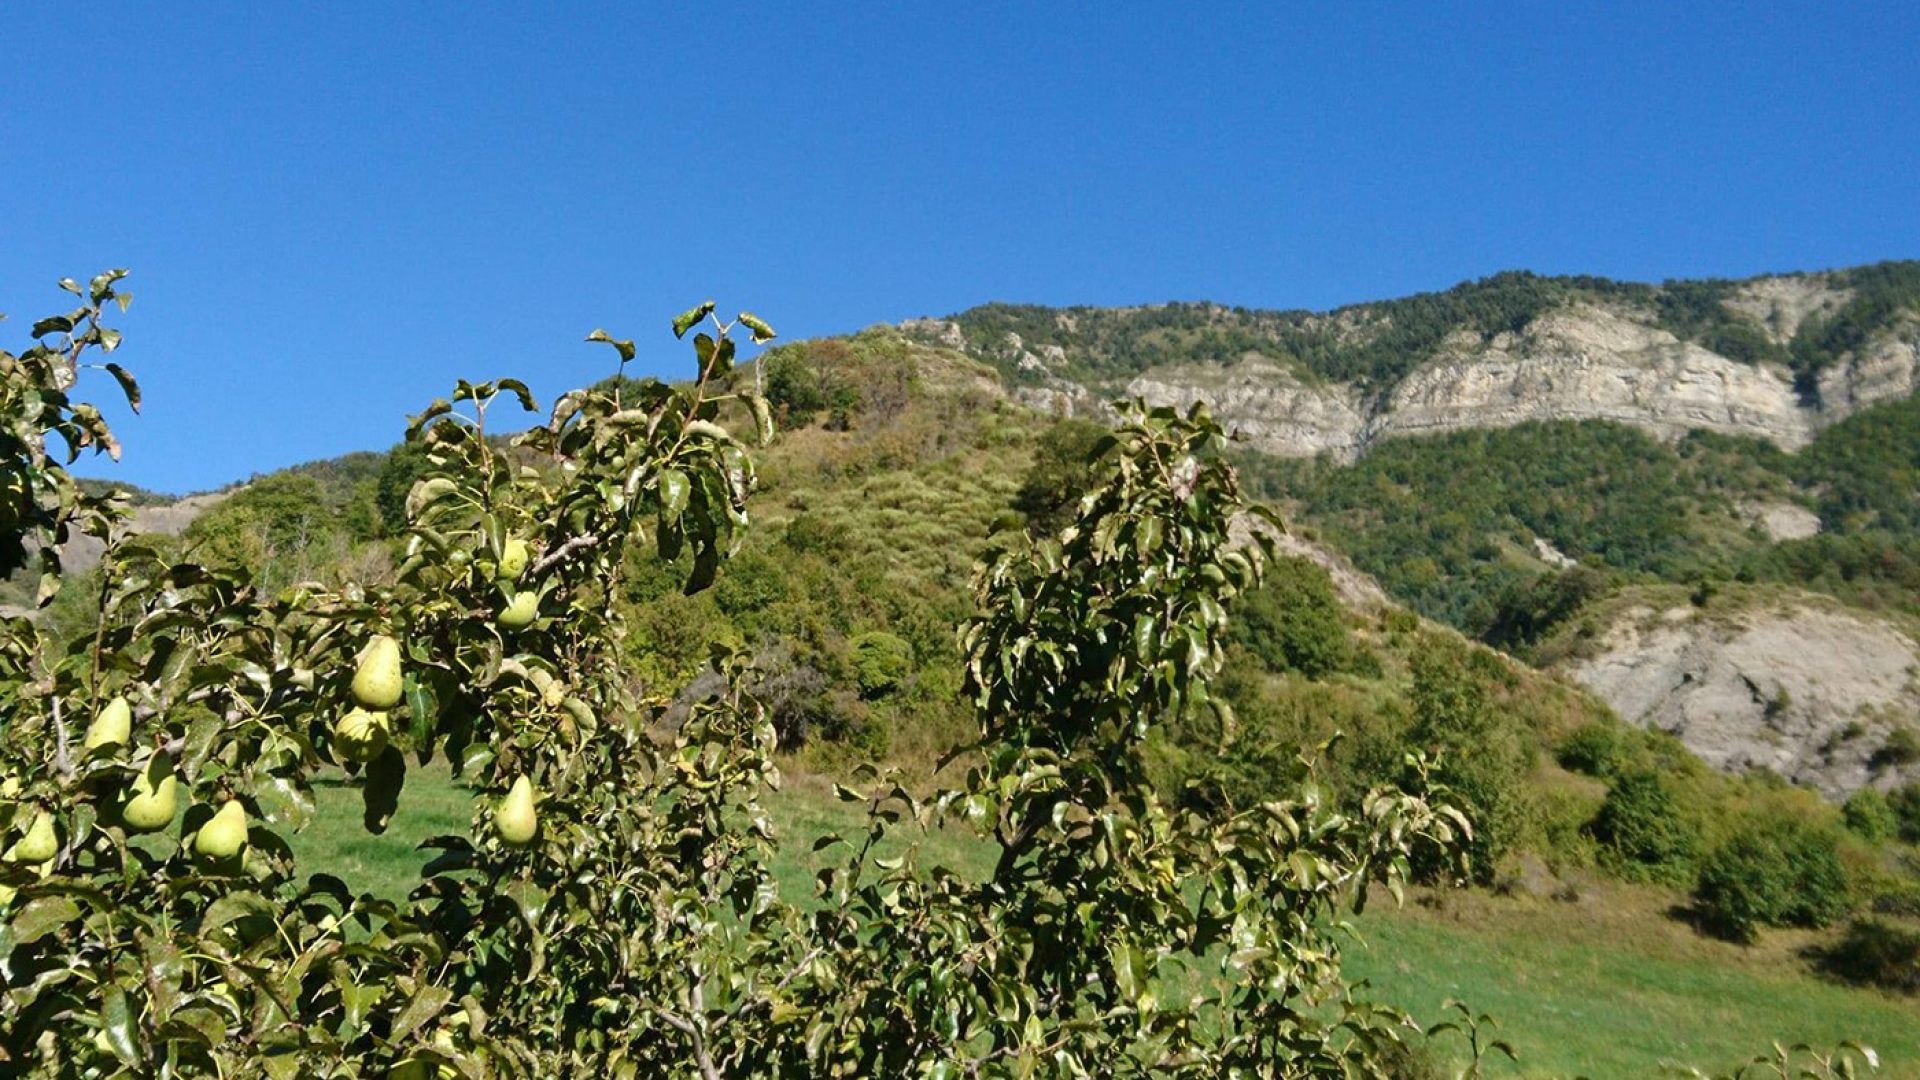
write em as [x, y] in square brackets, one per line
[762, 333]
[425, 1004]
[685, 321]
[674, 490]
[762, 418]
[53, 324]
[625, 347]
[127, 385]
[117, 1021]
[385, 776]
[42, 916]
[233, 907]
[284, 802]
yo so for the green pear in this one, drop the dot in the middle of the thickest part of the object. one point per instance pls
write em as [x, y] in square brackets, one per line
[513, 560]
[360, 735]
[40, 843]
[520, 611]
[112, 725]
[224, 834]
[515, 818]
[376, 682]
[155, 794]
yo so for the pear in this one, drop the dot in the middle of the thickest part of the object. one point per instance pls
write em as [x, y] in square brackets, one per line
[513, 560]
[515, 819]
[520, 611]
[150, 808]
[40, 843]
[376, 682]
[225, 834]
[112, 725]
[360, 735]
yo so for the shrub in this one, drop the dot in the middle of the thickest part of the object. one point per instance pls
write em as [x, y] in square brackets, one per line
[1595, 749]
[881, 662]
[1482, 757]
[1776, 872]
[1877, 953]
[1868, 813]
[1642, 833]
[1905, 802]
[1295, 621]
[1901, 748]
[1061, 470]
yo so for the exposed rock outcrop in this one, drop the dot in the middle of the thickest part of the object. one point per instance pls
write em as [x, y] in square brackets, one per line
[1594, 359]
[1798, 686]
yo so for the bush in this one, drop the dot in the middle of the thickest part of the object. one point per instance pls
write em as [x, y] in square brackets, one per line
[1877, 953]
[1642, 833]
[881, 662]
[1901, 748]
[1906, 811]
[1062, 470]
[1482, 756]
[1295, 620]
[1778, 872]
[1595, 749]
[1868, 813]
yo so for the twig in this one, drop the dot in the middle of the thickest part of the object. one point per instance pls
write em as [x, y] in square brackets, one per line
[564, 551]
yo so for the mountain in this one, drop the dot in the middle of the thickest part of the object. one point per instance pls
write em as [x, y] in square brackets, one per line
[1777, 357]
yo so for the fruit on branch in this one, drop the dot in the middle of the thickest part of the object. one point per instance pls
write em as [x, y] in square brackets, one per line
[515, 818]
[112, 725]
[155, 793]
[376, 681]
[513, 560]
[520, 611]
[224, 834]
[360, 735]
[38, 845]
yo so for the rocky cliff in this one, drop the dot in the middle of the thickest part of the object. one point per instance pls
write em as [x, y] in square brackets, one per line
[1578, 354]
[1791, 683]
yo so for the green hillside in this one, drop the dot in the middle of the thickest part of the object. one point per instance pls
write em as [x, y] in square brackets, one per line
[898, 461]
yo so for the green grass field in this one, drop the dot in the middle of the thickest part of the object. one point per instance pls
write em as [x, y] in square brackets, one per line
[1609, 987]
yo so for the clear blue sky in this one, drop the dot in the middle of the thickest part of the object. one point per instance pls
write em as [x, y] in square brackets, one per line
[333, 210]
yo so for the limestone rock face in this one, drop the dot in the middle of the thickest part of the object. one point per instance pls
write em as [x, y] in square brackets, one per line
[1587, 361]
[1278, 412]
[1588, 364]
[1803, 688]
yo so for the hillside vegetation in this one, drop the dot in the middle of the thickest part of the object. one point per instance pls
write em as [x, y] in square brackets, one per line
[899, 461]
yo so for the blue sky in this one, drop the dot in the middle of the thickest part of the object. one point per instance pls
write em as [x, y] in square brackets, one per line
[332, 211]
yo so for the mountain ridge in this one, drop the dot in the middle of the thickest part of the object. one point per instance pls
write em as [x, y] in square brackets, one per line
[1778, 357]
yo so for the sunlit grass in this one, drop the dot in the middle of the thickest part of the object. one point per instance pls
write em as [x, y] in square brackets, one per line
[1608, 987]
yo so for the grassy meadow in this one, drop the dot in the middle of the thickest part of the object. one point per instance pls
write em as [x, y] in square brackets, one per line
[1604, 987]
